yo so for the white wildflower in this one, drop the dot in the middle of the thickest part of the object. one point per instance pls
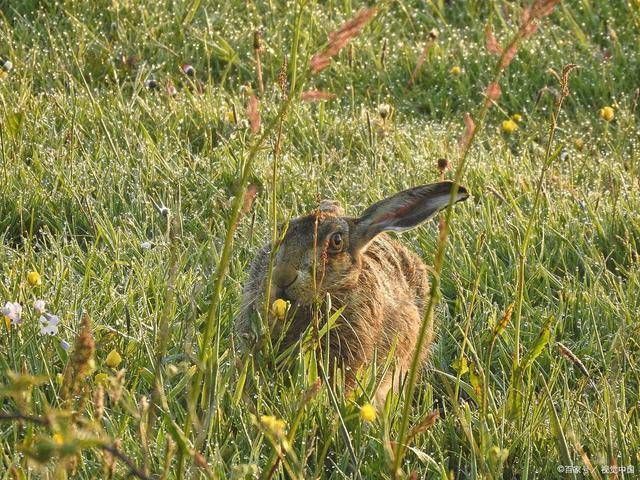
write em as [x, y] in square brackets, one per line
[49, 324]
[39, 306]
[13, 311]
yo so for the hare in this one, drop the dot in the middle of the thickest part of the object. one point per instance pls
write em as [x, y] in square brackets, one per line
[380, 285]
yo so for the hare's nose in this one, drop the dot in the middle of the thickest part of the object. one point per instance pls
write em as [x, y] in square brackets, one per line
[284, 276]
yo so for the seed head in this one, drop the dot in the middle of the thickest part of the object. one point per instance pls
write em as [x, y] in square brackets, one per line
[151, 84]
[253, 114]
[573, 358]
[98, 401]
[188, 70]
[316, 96]
[384, 109]
[257, 40]
[82, 362]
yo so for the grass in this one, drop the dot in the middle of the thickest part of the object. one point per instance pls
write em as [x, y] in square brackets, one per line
[90, 155]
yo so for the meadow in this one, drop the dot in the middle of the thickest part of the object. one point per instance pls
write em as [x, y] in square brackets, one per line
[148, 149]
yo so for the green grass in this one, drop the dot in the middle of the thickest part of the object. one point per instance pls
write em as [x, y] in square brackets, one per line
[89, 155]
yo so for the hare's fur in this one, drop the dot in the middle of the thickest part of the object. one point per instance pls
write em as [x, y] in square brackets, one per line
[380, 284]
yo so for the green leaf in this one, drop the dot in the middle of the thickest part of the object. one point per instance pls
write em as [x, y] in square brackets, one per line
[241, 381]
[541, 342]
[558, 433]
[330, 323]
[514, 394]
[191, 12]
[460, 365]
[475, 379]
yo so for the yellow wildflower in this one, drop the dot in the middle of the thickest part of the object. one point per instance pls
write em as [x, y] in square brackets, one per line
[113, 359]
[34, 278]
[516, 117]
[368, 412]
[57, 439]
[498, 454]
[607, 113]
[460, 365]
[90, 366]
[455, 70]
[274, 425]
[101, 378]
[279, 308]
[509, 126]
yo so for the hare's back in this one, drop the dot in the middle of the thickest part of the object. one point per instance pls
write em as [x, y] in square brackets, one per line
[401, 267]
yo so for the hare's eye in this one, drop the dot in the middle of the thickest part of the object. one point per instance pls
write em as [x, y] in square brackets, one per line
[335, 243]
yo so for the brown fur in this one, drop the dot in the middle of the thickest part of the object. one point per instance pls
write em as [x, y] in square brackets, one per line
[381, 285]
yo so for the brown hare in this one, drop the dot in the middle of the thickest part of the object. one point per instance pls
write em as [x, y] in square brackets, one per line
[379, 284]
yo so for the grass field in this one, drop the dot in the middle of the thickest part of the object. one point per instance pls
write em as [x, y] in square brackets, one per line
[120, 177]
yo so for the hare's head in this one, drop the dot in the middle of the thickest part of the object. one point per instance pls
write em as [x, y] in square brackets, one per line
[321, 252]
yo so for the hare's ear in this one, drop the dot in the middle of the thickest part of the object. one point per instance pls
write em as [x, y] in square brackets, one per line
[330, 206]
[404, 210]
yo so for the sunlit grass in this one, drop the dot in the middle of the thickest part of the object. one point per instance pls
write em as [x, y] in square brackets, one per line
[119, 197]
